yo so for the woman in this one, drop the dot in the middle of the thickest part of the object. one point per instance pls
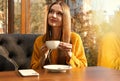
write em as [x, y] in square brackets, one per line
[109, 45]
[109, 51]
[70, 50]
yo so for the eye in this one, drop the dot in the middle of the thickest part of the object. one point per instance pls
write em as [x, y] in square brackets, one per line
[59, 13]
[51, 11]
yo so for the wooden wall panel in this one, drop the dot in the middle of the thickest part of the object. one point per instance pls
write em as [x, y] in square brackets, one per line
[25, 16]
[10, 16]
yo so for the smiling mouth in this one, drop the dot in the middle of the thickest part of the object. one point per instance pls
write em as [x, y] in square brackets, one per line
[53, 20]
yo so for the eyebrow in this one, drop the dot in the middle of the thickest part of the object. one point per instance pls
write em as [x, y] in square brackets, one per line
[56, 10]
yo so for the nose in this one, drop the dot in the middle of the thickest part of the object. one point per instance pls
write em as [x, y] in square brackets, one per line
[54, 15]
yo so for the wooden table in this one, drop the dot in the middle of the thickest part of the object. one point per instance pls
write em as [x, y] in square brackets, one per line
[75, 74]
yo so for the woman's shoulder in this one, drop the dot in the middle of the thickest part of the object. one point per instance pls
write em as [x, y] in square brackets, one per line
[39, 38]
[75, 35]
[110, 36]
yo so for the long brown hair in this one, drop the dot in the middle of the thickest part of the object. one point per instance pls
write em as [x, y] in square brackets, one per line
[66, 23]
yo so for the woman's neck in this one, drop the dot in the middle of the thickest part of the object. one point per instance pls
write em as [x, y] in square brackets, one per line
[56, 33]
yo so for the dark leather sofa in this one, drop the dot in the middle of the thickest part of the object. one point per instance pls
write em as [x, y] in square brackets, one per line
[16, 51]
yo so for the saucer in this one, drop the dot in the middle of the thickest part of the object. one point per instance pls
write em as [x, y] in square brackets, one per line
[57, 68]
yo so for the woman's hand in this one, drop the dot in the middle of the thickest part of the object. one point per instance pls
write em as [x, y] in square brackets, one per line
[44, 49]
[66, 47]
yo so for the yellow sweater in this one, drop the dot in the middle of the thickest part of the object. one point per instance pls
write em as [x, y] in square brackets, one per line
[78, 58]
[109, 51]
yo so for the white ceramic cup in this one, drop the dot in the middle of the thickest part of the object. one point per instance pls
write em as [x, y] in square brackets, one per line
[52, 44]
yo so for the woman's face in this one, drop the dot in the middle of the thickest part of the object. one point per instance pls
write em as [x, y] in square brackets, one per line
[55, 16]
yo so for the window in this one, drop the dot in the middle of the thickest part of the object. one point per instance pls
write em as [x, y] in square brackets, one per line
[3, 16]
[22, 16]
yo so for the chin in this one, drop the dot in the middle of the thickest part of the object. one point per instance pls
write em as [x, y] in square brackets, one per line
[53, 24]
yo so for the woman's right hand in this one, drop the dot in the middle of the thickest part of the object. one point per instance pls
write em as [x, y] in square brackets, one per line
[44, 49]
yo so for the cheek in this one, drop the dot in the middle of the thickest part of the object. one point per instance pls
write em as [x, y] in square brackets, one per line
[48, 19]
[60, 21]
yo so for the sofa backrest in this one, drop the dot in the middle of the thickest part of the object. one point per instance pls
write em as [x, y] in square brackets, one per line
[19, 48]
